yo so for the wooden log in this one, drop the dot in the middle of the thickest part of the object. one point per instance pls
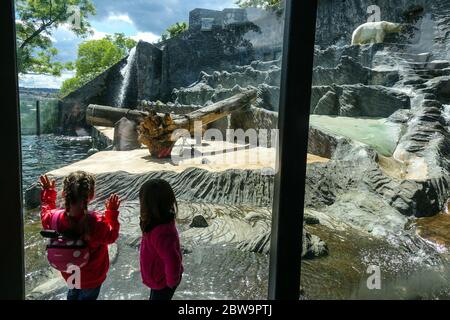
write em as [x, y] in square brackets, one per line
[220, 109]
[98, 115]
[105, 116]
[156, 129]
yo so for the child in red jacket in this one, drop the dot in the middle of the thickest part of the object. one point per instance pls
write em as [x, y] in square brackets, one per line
[96, 229]
[160, 252]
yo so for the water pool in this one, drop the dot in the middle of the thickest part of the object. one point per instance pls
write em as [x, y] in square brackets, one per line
[378, 133]
[41, 154]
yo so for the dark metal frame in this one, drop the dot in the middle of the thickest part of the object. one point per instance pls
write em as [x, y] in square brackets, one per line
[11, 235]
[288, 202]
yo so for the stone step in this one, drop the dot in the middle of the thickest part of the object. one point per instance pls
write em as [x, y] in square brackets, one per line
[440, 39]
[414, 57]
[248, 77]
[261, 65]
[423, 74]
[202, 94]
[438, 64]
[444, 14]
[414, 81]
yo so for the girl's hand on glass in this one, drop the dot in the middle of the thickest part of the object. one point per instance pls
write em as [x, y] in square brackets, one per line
[113, 202]
[46, 183]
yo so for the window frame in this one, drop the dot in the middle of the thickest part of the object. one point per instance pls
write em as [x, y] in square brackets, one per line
[12, 269]
[293, 125]
[285, 256]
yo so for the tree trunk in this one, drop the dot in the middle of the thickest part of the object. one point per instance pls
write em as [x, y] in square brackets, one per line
[105, 116]
[157, 130]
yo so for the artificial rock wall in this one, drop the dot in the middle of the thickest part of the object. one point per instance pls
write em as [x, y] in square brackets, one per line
[215, 40]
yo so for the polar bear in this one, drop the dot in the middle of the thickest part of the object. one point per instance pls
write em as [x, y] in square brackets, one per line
[374, 32]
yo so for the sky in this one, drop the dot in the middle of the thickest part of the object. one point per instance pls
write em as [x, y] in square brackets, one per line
[139, 19]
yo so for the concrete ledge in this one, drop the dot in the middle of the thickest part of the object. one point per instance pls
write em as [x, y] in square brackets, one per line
[213, 156]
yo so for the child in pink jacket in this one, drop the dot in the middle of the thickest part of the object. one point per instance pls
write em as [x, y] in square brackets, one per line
[96, 228]
[160, 252]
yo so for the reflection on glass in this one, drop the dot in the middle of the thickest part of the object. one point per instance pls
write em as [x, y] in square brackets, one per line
[142, 96]
[376, 202]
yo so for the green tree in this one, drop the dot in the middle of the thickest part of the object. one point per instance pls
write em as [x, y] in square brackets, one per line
[95, 57]
[263, 4]
[122, 42]
[36, 19]
[174, 30]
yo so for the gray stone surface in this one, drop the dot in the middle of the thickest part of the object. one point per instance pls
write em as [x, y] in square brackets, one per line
[350, 71]
[199, 222]
[353, 201]
[371, 101]
[428, 137]
[32, 197]
[357, 100]
[312, 246]
[327, 105]
[322, 143]
[258, 118]
[438, 64]
[331, 56]
[338, 19]
[104, 89]
[149, 72]
[237, 38]
[220, 85]
[440, 87]
[125, 135]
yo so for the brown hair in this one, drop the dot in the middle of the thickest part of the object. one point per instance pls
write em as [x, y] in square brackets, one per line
[158, 204]
[78, 188]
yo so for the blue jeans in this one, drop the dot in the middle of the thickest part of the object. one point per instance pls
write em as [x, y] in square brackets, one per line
[83, 294]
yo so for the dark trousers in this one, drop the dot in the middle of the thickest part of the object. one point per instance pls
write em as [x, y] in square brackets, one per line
[162, 294]
[83, 294]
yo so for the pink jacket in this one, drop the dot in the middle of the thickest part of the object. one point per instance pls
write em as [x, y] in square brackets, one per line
[105, 230]
[161, 258]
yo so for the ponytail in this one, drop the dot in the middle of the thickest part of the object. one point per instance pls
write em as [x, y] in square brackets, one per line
[78, 188]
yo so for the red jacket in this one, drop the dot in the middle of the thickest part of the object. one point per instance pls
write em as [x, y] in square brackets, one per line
[104, 231]
[161, 259]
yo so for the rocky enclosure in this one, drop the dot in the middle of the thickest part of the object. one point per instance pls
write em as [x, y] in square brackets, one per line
[361, 205]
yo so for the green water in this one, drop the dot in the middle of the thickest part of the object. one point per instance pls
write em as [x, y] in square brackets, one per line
[378, 133]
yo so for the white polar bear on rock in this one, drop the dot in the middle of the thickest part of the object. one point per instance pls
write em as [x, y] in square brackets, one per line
[374, 32]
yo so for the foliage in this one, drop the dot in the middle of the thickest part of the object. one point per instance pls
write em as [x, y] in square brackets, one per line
[95, 57]
[174, 30]
[122, 42]
[36, 19]
[263, 4]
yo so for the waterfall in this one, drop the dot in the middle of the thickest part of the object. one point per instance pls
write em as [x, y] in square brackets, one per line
[126, 72]
[446, 114]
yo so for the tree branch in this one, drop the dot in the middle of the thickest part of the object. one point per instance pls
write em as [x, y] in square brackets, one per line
[42, 28]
